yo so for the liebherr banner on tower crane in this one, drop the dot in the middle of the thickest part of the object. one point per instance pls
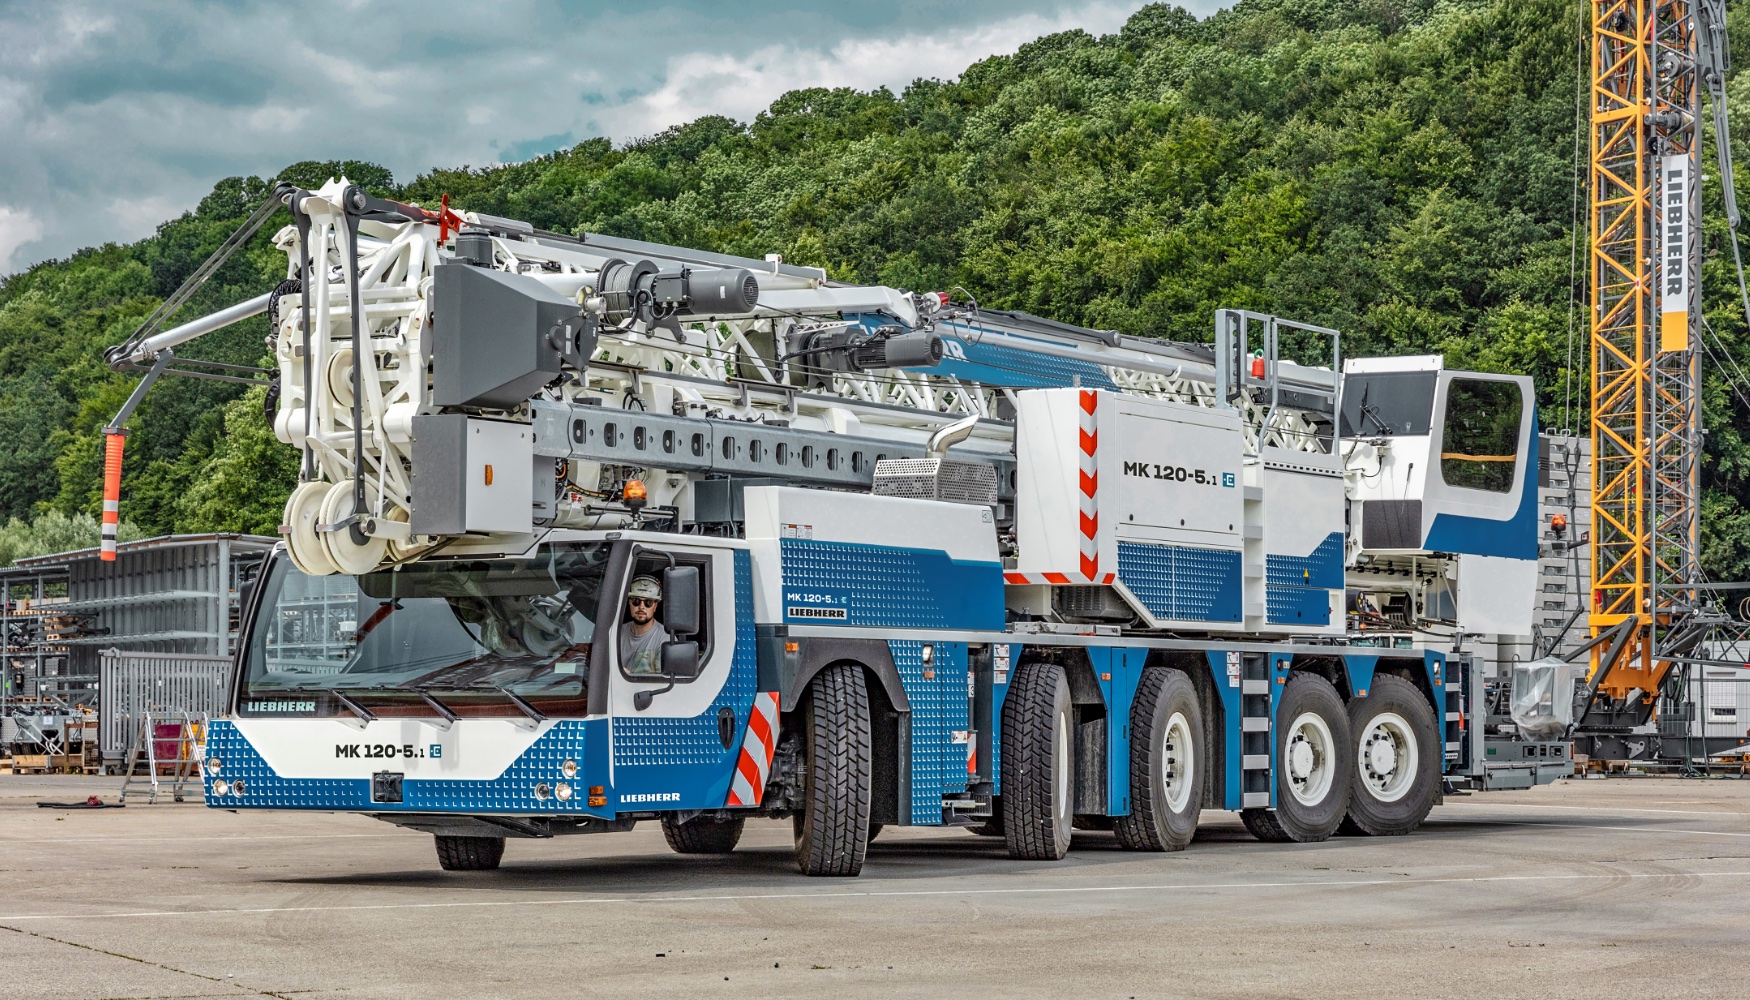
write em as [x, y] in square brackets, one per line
[1674, 209]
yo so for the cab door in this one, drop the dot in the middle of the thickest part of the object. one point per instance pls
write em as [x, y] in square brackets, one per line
[675, 739]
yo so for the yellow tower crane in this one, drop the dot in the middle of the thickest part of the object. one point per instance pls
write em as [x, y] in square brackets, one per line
[1649, 62]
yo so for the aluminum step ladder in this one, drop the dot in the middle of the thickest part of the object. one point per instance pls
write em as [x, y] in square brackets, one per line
[191, 728]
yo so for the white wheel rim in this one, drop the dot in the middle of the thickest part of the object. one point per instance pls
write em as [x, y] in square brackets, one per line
[1308, 761]
[1060, 785]
[1387, 755]
[1178, 767]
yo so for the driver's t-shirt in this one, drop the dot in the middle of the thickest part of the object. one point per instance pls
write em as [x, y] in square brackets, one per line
[642, 654]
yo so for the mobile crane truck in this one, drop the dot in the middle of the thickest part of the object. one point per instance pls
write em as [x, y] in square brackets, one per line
[915, 563]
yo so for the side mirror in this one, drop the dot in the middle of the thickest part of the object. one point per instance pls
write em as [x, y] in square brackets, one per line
[680, 600]
[680, 659]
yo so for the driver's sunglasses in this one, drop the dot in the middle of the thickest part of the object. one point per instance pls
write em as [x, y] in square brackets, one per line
[643, 602]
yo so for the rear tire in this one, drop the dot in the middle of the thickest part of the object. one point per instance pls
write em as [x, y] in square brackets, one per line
[1314, 765]
[832, 830]
[702, 836]
[1038, 764]
[1166, 764]
[1397, 759]
[469, 854]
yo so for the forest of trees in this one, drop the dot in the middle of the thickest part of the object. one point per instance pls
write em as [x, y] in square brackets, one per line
[1403, 170]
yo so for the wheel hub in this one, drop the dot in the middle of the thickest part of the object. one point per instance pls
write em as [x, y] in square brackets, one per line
[1382, 755]
[1300, 759]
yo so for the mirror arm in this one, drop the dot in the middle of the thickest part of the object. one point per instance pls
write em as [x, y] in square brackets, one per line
[641, 699]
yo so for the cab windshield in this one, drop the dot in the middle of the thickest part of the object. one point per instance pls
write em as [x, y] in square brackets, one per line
[472, 637]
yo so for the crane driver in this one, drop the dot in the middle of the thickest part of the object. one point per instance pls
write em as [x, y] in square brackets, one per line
[641, 635]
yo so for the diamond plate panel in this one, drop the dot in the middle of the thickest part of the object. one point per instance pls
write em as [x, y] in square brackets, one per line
[938, 708]
[1183, 582]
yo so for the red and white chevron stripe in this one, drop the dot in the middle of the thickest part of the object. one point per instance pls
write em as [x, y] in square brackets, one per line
[1090, 480]
[757, 747]
[1087, 452]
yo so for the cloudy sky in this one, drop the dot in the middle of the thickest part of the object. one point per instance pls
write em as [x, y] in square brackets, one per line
[115, 117]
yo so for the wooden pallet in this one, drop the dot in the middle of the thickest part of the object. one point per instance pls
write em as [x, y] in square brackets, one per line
[60, 763]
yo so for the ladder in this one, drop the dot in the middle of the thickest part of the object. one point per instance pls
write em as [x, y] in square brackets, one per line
[190, 727]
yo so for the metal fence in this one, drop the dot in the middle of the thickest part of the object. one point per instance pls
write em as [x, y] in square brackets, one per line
[131, 683]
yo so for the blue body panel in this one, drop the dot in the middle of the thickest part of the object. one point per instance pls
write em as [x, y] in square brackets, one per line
[510, 792]
[887, 586]
[1297, 588]
[939, 697]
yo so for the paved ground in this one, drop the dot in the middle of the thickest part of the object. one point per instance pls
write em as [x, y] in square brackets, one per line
[1624, 888]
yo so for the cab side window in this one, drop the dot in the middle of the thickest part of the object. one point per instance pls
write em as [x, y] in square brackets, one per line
[1480, 440]
[647, 569]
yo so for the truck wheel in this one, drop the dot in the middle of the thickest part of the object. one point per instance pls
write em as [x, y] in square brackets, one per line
[1314, 768]
[1038, 764]
[1397, 759]
[1166, 764]
[832, 829]
[701, 835]
[469, 854]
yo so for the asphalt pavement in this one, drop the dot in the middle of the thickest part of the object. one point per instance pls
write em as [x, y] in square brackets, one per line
[1604, 888]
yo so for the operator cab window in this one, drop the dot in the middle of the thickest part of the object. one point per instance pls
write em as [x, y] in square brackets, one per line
[1480, 441]
[640, 629]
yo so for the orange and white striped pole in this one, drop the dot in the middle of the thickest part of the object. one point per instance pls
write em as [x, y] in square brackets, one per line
[113, 439]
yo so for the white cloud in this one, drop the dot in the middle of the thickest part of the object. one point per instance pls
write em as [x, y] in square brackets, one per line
[17, 227]
[114, 118]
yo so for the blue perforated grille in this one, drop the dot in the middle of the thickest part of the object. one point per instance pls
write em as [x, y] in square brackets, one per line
[885, 586]
[938, 708]
[1183, 582]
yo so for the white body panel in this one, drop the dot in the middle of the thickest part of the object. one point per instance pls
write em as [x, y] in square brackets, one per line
[1495, 595]
[1303, 507]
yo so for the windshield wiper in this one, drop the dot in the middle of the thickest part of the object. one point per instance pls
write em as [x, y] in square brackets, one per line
[436, 706]
[535, 715]
[354, 707]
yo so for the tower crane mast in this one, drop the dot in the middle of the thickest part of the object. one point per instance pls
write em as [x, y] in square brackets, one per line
[1649, 60]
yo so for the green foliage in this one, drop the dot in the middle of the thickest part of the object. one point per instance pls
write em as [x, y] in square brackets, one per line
[1402, 170]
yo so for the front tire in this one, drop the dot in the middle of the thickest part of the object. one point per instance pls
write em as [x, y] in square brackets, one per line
[1038, 764]
[701, 835]
[1314, 766]
[1166, 764]
[469, 854]
[832, 830]
[1397, 759]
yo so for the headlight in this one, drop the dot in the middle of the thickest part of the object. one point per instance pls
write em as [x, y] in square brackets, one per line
[237, 787]
[221, 786]
[542, 791]
[213, 765]
[562, 792]
[569, 768]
